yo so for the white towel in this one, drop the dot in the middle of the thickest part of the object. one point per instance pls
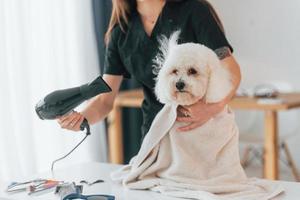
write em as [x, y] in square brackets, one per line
[200, 164]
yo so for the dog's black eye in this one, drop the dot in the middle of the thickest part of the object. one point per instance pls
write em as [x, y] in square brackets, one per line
[175, 71]
[192, 71]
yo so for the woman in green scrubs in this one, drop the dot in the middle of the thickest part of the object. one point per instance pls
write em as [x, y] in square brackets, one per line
[131, 44]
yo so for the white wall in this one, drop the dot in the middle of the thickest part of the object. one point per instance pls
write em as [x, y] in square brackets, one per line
[45, 45]
[265, 35]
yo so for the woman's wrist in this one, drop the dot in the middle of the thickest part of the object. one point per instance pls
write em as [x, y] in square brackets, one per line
[91, 114]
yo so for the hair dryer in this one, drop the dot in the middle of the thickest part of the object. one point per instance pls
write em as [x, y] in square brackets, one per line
[61, 102]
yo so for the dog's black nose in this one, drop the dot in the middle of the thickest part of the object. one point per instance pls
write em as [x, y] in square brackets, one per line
[180, 85]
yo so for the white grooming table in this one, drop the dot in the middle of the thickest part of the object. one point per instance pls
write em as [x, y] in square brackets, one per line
[93, 171]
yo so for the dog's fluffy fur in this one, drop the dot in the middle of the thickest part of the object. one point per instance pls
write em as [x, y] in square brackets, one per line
[189, 72]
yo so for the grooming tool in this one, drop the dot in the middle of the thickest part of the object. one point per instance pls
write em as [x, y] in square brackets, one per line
[62, 102]
[32, 186]
[45, 186]
[66, 189]
[70, 191]
[91, 183]
[89, 197]
[22, 186]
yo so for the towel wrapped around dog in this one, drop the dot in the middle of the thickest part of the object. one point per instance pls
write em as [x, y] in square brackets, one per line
[201, 164]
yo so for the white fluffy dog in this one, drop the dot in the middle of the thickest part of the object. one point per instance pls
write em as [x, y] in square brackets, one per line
[203, 163]
[189, 72]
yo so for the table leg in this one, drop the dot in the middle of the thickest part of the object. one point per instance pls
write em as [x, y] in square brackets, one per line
[115, 137]
[271, 146]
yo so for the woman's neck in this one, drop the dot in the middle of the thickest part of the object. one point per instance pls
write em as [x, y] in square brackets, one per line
[150, 8]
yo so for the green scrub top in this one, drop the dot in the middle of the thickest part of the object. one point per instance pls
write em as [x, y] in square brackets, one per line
[130, 53]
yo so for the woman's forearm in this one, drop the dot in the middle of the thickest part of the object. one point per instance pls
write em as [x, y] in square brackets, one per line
[96, 110]
[100, 106]
[234, 69]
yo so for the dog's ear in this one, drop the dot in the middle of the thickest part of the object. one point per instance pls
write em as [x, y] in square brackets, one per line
[220, 82]
[173, 41]
[165, 44]
[160, 89]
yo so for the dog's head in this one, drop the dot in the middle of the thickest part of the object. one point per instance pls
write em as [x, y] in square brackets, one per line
[189, 72]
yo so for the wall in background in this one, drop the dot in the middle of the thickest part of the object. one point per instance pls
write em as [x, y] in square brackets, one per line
[265, 35]
[45, 45]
